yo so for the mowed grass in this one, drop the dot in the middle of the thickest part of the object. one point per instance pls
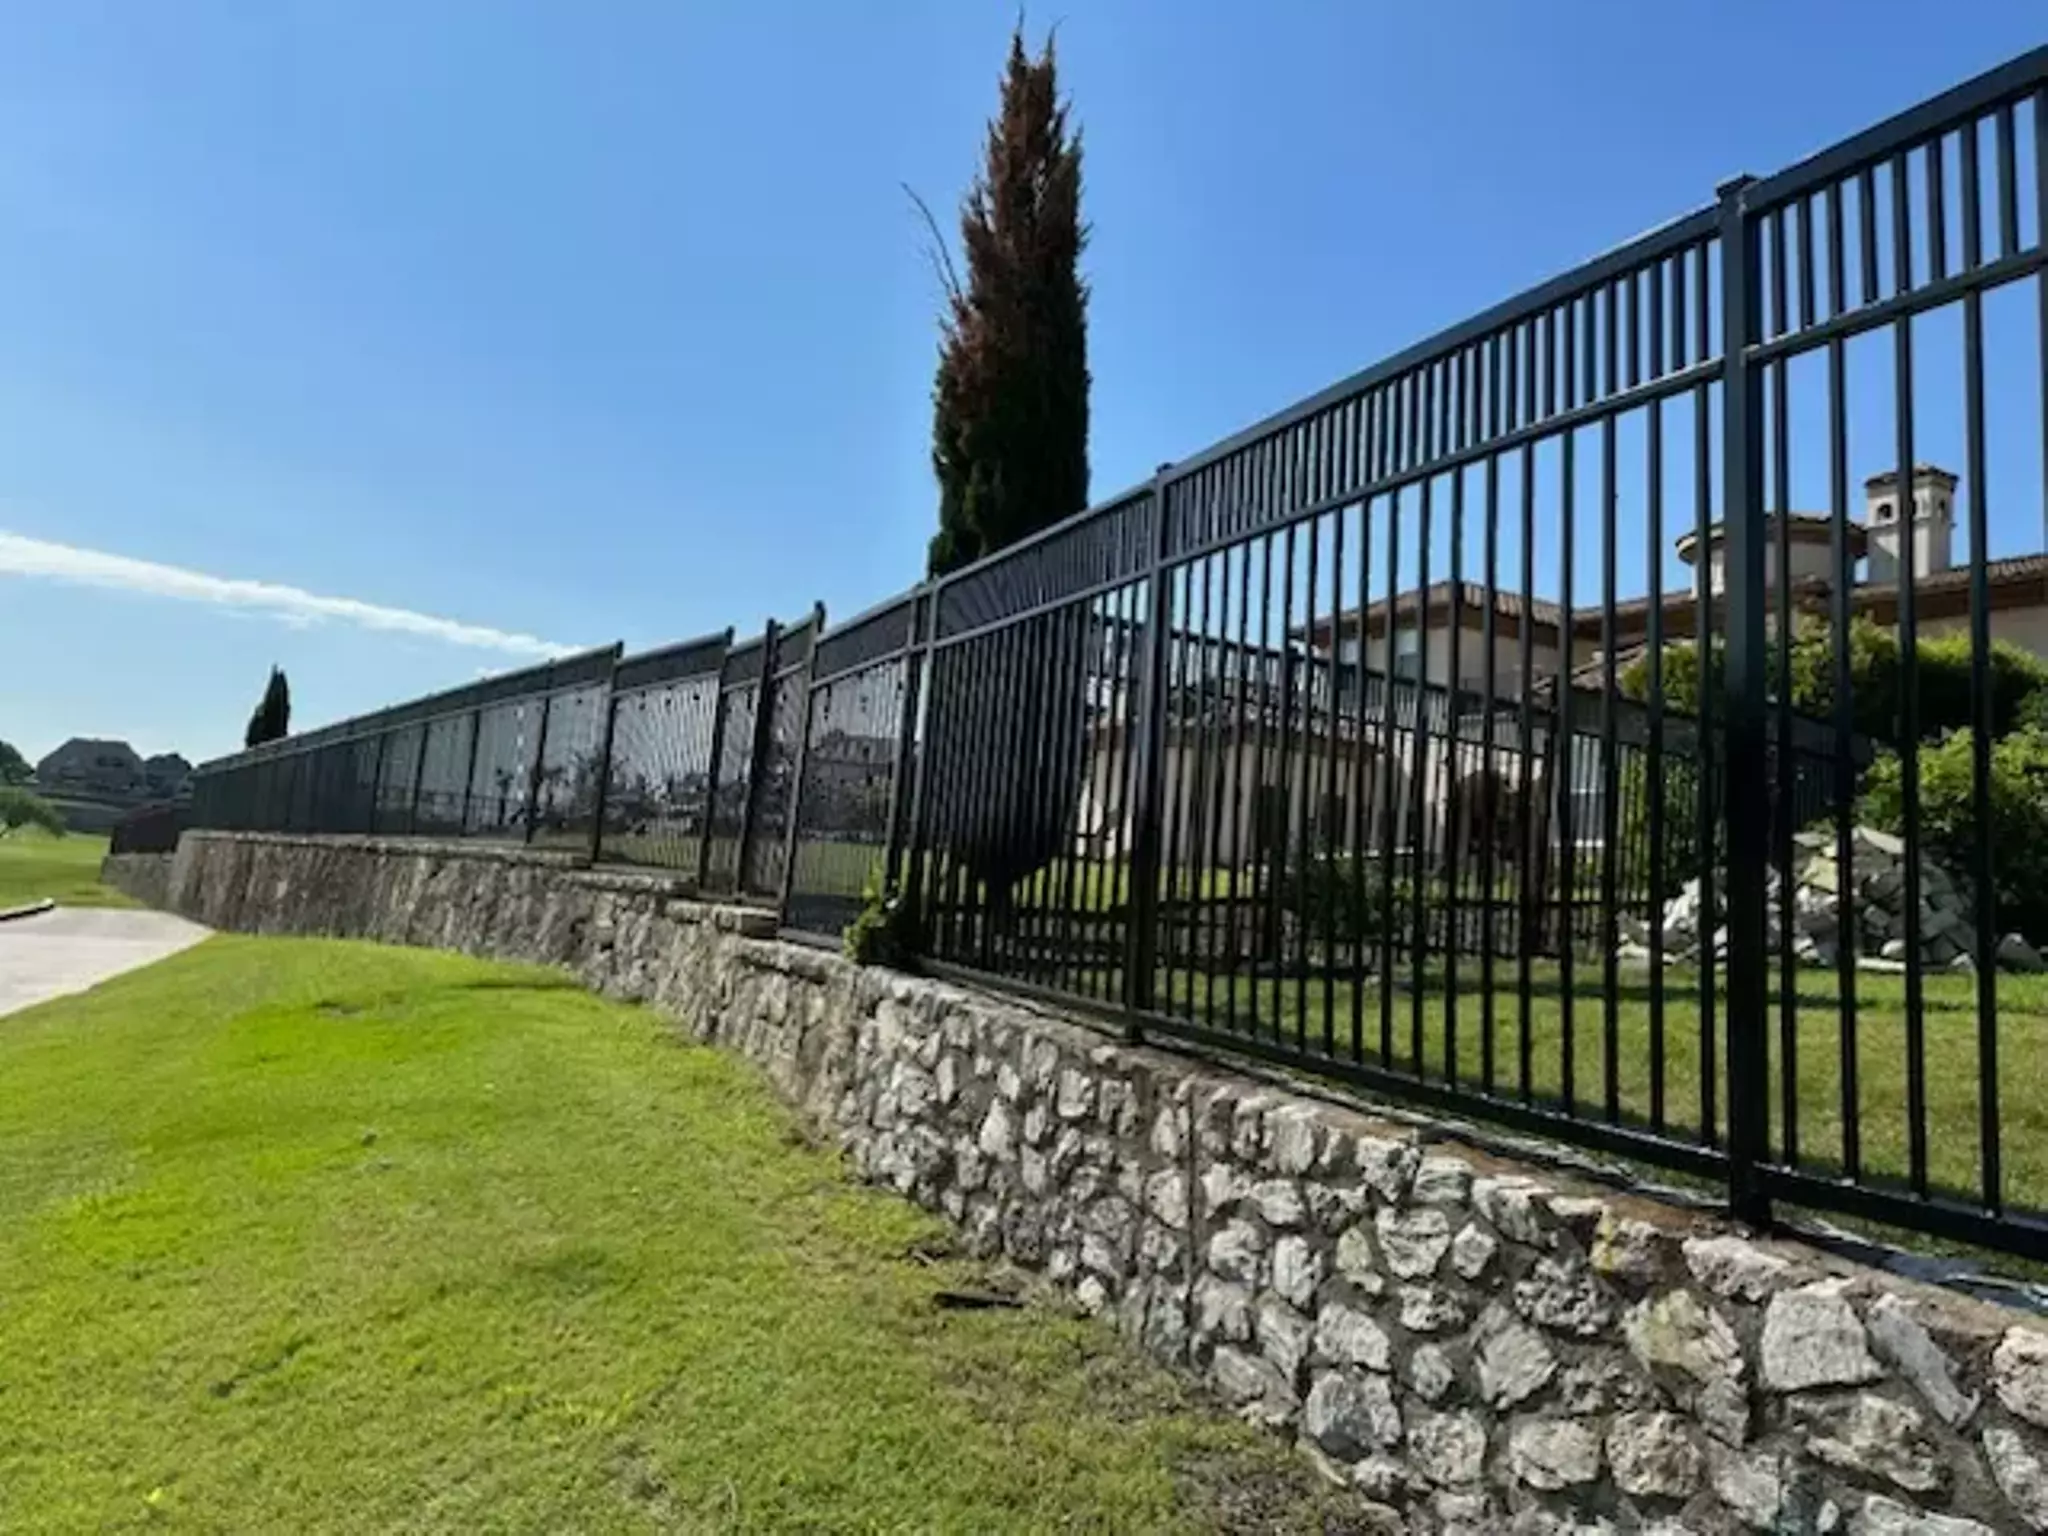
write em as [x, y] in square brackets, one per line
[314, 1235]
[1444, 1015]
[35, 866]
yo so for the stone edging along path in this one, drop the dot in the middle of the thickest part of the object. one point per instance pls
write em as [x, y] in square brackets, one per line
[1472, 1345]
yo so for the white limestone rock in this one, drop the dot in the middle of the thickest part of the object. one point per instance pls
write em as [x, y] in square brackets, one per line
[1813, 1338]
[2019, 1374]
[1412, 1243]
[1351, 1337]
[1549, 1454]
[1653, 1455]
[1910, 1350]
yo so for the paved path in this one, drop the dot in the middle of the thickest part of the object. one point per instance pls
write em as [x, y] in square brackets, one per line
[73, 948]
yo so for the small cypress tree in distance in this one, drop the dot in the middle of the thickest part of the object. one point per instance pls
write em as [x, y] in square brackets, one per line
[1010, 402]
[272, 717]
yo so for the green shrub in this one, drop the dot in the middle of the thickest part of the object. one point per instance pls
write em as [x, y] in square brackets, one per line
[2032, 714]
[1948, 812]
[1680, 683]
[20, 808]
[2019, 679]
[1323, 893]
[886, 931]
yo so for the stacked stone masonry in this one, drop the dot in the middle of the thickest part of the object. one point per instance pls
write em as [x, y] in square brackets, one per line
[1875, 930]
[145, 876]
[1470, 1346]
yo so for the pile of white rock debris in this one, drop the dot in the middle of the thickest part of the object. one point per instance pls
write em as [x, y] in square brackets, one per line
[1877, 872]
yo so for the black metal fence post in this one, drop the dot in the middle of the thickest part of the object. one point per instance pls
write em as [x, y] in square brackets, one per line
[903, 784]
[1742, 513]
[377, 780]
[540, 757]
[604, 763]
[757, 753]
[1141, 938]
[419, 774]
[476, 731]
[711, 765]
[915, 736]
[793, 813]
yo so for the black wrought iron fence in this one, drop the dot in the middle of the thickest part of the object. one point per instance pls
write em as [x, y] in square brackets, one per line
[1276, 751]
[1528, 725]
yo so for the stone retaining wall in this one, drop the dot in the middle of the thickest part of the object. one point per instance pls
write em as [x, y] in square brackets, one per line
[1472, 1346]
[145, 876]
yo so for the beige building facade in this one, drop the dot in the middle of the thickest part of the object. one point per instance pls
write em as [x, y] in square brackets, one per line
[1231, 802]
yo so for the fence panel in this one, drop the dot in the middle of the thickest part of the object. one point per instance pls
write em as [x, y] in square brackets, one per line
[754, 758]
[1886, 282]
[441, 806]
[398, 779]
[854, 788]
[570, 767]
[1029, 765]
[658, 782]
[772, 775]
[1285, 752]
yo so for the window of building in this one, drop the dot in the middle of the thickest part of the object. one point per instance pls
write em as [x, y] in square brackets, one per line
[1408, 653]
[1883, 514]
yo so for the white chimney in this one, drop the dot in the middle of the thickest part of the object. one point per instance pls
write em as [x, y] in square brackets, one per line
[1932, 519]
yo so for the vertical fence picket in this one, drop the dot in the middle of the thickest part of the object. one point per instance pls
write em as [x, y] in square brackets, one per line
[1748, 812]
[793, 812]
[1141, 943]
[601, 793]
[540, 756]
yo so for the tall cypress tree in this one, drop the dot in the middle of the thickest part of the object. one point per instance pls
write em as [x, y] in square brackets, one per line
[272, 716]
[1010, 403]
[1010, 451]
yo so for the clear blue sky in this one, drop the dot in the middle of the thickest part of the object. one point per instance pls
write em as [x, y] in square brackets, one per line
[612, 321]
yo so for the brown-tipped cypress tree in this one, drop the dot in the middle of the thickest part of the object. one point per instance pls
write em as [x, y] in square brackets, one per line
[1010, 450]
[272, 716]
[1010, 404]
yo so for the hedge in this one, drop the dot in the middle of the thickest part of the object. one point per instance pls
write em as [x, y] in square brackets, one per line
[1948, 812]
[2019, 679]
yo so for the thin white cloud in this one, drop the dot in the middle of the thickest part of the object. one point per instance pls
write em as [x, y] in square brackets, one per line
[21, 556]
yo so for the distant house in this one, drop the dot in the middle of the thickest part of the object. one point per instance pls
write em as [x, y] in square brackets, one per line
[167, 776]
[94, 782]
[100, 770]
[1411, 635]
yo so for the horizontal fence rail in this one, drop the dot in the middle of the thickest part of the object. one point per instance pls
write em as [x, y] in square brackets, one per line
[1610, 717]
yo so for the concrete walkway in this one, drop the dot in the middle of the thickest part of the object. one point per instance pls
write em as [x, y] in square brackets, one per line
[73, 948]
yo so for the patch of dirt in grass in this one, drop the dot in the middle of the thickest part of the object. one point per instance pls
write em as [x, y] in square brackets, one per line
[1232, 1491]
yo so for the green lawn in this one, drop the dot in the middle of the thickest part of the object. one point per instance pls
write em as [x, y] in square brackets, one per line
[311, 1235]
[65, 869]
[1950, 1013]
